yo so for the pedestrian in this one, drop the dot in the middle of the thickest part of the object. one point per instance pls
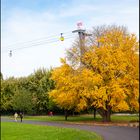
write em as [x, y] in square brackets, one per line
[15, 116]
[21, 116]
[51, 113]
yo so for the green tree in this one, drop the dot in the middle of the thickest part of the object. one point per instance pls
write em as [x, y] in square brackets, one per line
[39, 85]
[1, 76]
[22, 101]
[7, 91]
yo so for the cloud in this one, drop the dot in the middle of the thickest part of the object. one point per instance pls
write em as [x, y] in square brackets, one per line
[26, 25]
[80, 10]
[22, 25]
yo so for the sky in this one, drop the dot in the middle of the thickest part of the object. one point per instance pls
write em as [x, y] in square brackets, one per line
[31, 29]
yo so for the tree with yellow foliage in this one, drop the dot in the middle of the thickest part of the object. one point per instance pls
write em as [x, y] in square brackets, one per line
[116, 62]
[108, 80]
[68, 91]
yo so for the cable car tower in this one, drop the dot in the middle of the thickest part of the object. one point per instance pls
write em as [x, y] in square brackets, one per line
[82, 34]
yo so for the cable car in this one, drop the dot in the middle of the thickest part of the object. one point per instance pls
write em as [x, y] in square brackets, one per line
[10, 53]
[61, 37]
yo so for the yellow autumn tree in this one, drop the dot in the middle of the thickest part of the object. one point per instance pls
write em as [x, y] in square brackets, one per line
[68, 93]
[116, 62]
[108, 80]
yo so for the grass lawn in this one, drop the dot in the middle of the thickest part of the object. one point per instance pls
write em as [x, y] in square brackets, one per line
[85, 118]
[20, 131]
[124, 118]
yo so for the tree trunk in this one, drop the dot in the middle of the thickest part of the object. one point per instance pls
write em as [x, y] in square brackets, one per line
[72, 113]
[94, 113]
[66, 115]
[106, 114]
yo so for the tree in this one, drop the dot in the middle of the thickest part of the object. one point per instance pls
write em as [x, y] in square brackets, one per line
[39, 85]
[22, 101]
[7, 91]
[34, 87]
[108, 81]
[116, 62]
[1, 76]
[68, 90]
[99, 31]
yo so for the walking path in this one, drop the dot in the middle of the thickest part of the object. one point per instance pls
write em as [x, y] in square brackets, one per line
[107, 132]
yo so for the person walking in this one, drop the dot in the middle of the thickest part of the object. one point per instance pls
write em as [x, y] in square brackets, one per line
[15, 116]
[21, 116]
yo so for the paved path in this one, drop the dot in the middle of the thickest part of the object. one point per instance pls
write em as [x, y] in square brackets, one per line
[107, 132]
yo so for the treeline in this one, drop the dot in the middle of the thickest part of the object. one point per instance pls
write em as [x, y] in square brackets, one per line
[28, 94]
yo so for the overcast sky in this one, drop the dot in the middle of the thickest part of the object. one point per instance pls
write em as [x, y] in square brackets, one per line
[25, 24]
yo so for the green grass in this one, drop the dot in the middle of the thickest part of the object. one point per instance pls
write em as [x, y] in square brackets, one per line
[61, 118]
[127, 118]
[20, 131]
[84, 118]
